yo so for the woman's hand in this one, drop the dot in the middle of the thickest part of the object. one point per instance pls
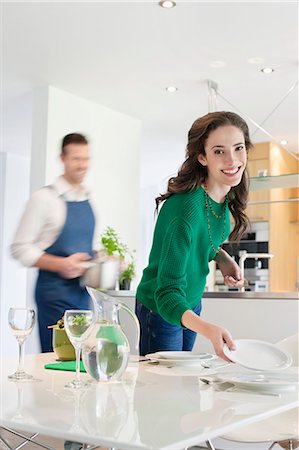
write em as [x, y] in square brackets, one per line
[218, 337]
[230, 270]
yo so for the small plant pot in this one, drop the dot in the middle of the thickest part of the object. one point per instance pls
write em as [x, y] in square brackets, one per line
[62, 345]
[125, 285]
[102, 275]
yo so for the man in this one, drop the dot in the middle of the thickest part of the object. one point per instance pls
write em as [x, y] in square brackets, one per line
[55, 235]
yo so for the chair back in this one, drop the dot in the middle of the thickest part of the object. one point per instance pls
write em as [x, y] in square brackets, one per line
[291, 344]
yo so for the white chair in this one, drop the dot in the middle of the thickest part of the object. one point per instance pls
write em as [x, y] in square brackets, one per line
[281, 429]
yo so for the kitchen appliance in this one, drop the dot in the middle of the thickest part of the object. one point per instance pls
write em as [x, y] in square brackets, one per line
[256, 271]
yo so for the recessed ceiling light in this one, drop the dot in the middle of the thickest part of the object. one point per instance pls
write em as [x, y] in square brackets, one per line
[171, 88]
[255, 60]
[284, 142]
[167, 4]
[217, 64]
[267, 70]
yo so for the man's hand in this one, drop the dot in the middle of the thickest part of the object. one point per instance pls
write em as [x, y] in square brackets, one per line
[72, 267]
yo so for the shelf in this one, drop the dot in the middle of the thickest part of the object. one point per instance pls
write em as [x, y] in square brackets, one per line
[290, 180]
[268, 202]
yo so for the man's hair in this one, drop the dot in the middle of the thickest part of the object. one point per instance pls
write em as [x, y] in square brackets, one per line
[73, 138]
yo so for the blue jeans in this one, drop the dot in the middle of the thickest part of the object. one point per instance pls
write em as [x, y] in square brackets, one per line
[156, 334]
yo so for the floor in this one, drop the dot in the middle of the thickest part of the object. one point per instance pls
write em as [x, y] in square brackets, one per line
[15, 441]
[58, 444]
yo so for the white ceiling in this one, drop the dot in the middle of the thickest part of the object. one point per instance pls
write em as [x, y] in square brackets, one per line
[123, 55]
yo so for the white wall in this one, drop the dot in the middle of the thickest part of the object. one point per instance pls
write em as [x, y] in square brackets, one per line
[14, 191]
[160, 159]
[14, 174]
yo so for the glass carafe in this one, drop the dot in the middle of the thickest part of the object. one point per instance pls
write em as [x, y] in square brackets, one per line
[106, 352]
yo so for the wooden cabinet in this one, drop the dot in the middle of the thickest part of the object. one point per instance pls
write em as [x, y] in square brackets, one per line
[255, 211]
[283, 225]
[281, 214]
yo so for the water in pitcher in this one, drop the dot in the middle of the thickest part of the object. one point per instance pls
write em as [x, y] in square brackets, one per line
[106, 352]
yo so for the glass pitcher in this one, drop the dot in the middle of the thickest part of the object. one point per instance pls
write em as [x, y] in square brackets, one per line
[106, 352]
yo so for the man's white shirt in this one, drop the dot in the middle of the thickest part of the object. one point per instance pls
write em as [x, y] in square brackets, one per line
[43, 220]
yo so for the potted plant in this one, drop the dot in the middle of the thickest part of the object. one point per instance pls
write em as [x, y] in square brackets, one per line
[112, 244]
[111, 264]
[61, 344]
[127, 275]
[104, 274]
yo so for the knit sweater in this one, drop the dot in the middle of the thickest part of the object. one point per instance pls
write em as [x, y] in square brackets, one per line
[175, 278]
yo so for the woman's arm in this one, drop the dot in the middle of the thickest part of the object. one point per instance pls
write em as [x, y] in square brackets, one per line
[217, 335]
[229, 268]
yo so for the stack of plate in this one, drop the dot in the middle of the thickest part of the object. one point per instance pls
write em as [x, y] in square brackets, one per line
[179, 358]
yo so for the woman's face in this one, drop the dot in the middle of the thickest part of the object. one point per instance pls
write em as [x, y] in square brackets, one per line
[225, 157]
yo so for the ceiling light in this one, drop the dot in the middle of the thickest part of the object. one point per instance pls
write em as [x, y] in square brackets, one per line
[167, 4]
[217, 64]
[267, 70]
[283, 142]
[171, 89]
[255, 60]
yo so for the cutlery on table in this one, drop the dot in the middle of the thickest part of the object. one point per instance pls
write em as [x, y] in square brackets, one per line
[230, 387]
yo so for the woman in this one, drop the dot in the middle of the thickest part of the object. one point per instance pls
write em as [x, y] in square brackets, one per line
[192, 225]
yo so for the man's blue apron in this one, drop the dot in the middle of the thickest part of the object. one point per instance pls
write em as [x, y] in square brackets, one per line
[54, 294]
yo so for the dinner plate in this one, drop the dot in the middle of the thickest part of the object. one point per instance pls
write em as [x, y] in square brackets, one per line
[179, 358]
[266, 381]
[182, 355]
[258, 355]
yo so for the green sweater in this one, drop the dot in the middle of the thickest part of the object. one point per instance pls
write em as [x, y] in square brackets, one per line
[175, 277]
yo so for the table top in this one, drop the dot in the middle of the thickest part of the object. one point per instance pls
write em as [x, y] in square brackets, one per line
[152, 407]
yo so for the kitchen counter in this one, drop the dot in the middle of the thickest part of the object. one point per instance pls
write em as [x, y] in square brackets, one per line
[231, 295]
[254, 295]
[267, 316]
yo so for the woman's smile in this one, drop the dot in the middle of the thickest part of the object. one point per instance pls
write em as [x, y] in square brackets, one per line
[231, 172]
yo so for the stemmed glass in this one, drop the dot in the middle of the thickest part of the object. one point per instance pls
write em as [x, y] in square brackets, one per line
[21, 322]
[78, 324]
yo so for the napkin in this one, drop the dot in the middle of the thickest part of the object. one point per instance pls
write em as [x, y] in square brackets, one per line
[65, 365]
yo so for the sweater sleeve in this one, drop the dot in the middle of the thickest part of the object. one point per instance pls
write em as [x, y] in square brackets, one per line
[170, 295]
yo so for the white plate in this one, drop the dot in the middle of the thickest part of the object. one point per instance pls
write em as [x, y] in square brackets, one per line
[258, 355]
[179, 358]
[182, 355]
[266, 381]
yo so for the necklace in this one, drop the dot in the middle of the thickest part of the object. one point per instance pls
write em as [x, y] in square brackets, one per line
[209, 208]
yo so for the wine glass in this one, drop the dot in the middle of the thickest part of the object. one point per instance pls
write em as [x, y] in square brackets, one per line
[78, 323]
[21, 322]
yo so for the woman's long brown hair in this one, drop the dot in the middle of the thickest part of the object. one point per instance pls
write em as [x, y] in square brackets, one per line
[192, 174]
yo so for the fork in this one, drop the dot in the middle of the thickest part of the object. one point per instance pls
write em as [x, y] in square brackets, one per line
[230, 387]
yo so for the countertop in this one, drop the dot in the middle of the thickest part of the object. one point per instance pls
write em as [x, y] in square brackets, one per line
[253, 295]
[231, 294]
